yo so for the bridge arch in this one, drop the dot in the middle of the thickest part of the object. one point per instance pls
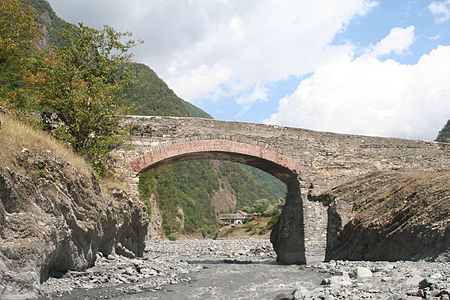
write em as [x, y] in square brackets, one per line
[287, 235]
[263, 158]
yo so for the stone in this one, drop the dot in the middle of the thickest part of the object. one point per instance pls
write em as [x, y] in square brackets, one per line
[444, 297]
[337, 281]
[300, 293]
[413, 280]
[362, 273]
[425, 283]
[436, 276]
[283, 296]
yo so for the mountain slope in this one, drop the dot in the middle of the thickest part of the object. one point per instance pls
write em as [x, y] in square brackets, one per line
[151, 96]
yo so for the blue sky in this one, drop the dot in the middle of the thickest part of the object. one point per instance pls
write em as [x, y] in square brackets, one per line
[351, 66]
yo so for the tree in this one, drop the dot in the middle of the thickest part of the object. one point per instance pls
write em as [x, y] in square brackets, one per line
[18, 32]
[261, 205]
[79, 83]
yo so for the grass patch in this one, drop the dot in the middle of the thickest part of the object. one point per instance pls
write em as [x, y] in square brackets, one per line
[15, 136]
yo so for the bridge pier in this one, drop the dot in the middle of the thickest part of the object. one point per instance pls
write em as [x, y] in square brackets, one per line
[288, 234]
[300, 235]
[315, 220]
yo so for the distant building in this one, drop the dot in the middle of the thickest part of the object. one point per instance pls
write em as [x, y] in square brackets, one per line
[237, 218]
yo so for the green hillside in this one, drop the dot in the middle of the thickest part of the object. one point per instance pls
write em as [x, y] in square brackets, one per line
[50, 23]
[194, 111]
[151, 96]
[186, 185]
[190, 185]
[444, 134]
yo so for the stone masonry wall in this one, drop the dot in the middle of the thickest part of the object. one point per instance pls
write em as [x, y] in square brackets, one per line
[321, 159]
[328, 159]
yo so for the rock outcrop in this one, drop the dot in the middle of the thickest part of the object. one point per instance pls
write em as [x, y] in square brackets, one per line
[54, 218]
[395, 215]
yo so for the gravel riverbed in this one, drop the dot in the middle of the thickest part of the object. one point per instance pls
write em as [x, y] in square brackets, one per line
[245, 269]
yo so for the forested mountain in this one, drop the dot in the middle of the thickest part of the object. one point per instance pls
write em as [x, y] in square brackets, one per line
[444, 134]
[196, 189]
[149, 95]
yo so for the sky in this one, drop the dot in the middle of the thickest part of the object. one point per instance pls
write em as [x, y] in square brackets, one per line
[351, 66]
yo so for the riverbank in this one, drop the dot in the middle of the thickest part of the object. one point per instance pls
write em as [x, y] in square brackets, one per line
[244, 269]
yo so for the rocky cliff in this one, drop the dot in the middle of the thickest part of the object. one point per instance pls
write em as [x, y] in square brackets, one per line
[395, 215]
[54, 214]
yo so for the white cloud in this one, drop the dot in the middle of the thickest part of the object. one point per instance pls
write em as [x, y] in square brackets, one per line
[202, 80]
[440, 9]
[205, 49]
[398, 41]
[364, 95]
[258, 94]
[273, 40]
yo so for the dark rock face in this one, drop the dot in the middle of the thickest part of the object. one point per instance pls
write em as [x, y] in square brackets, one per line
[402, 215]
[54, 219]
[288, 236]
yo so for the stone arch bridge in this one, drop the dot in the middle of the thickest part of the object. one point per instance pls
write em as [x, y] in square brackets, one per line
[308, 162]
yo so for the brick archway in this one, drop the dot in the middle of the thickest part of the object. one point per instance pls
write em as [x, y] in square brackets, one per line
[264, 158]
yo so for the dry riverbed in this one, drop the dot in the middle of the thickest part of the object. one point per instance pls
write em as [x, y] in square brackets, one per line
[245, 269]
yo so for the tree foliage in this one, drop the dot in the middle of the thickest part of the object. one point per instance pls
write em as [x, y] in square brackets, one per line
[18, 32]
[79, 82]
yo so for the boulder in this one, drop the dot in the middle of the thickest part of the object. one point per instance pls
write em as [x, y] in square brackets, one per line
[362, 273]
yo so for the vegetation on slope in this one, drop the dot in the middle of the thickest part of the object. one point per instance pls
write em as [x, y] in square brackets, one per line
[51, 25]
[190, 186]
[187, 185]
[194, 111]
[16, 137]
[75, 82]
[149, 95]
[249, 188]
[444, 134]
[16, 45]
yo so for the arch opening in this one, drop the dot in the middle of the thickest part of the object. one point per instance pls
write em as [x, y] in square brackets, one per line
[278, 171]
[287, 235]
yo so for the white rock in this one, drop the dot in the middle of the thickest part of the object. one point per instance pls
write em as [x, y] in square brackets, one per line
[413, 280]
[336, 281]
[436, 276]
[301, 293]
[362, 272]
